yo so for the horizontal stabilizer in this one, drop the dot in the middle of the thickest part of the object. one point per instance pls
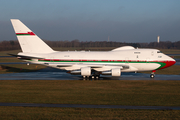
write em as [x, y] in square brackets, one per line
[25, 57]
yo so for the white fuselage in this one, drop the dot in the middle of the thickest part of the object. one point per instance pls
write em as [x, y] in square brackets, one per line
[128, 60]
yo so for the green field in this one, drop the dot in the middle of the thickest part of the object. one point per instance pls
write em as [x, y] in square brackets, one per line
[32, 113]
[15, 68]
[110, 92]
[105, 92]
[170, 51]
[5, 53]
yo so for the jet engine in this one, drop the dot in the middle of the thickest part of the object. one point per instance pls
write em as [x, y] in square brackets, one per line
[86, 71]
[115, 72]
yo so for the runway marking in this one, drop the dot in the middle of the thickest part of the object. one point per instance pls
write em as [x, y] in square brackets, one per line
[91, 106]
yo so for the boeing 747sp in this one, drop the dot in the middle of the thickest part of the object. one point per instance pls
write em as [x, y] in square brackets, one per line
[89, 63]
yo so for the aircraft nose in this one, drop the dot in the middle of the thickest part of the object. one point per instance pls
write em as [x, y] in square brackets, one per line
[173, 61]
[170, 63]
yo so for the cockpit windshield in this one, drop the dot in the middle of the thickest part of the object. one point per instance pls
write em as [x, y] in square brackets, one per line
[159, 52]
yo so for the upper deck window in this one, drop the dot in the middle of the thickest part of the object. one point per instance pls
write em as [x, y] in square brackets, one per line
[158, 51]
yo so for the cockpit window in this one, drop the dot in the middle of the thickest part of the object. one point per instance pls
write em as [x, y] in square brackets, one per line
[158, 51]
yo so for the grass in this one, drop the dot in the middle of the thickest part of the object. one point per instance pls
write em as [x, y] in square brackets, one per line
[5, 53]
[9, 59]
[176, 57]
[14, 68]
[170, 51]
[121, 92]
[29, 113]
[113, 92]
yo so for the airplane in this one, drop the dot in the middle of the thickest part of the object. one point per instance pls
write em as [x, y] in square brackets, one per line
[89, 64]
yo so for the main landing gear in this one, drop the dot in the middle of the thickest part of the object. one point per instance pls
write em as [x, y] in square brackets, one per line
[93, 77]
[152, 74]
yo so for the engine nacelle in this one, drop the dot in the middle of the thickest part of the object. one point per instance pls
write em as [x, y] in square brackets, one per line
[116, 72]
[75, 72]
[86, 71]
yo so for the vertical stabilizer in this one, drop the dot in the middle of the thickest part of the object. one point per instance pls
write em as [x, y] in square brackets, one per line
[29, 42]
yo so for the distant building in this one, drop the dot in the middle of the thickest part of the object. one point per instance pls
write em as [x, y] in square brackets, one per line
[158, 37]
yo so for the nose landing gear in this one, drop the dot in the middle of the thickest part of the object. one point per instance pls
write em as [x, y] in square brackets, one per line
[153, 74]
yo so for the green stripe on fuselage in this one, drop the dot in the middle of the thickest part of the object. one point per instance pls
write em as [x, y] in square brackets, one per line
[161, 63]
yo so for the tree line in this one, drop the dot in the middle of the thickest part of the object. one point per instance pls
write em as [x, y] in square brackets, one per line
[14, 44]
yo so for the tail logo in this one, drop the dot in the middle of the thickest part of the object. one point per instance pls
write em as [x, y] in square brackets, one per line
[28, 33]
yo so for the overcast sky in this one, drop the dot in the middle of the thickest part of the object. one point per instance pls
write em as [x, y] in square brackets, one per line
[94, 20]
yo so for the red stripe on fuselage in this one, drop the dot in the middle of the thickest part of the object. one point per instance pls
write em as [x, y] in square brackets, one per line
[168, 64]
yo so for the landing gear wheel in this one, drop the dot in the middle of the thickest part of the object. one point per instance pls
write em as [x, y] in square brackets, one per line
[84, 77]
[152, 75]
[97, 77]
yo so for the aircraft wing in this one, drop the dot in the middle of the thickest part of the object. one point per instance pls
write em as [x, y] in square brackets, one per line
[106, 65]
[96, 67]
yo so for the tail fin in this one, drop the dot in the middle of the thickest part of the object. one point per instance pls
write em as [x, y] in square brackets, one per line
[29, 41]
